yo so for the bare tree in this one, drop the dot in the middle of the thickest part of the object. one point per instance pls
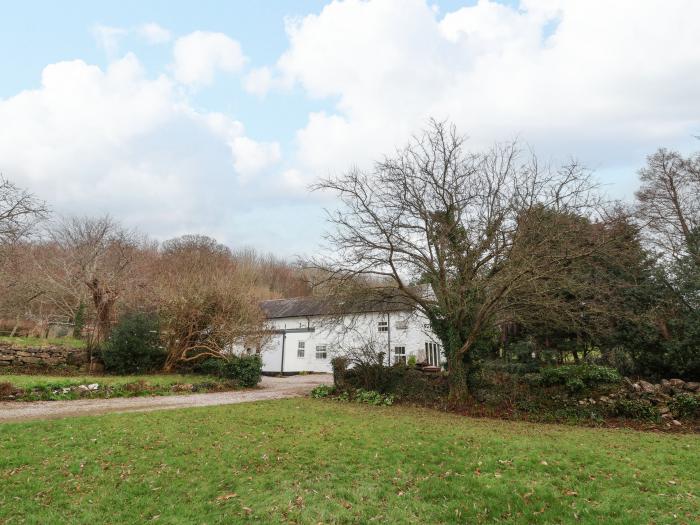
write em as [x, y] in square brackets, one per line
[19, 212]
[476, 227]
[669, 203]
[206, 304]
[92, 262]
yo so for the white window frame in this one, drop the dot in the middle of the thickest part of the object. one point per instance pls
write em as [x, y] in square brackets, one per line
[382, 326]
[301, 349]
[400, 354]
[433, 353]
[321, 351]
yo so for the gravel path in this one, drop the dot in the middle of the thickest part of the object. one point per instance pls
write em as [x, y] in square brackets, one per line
[270, 388]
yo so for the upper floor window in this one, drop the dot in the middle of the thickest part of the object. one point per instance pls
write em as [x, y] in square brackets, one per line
[383, 326]
[401, 325]
[301, 349]
[321, 351]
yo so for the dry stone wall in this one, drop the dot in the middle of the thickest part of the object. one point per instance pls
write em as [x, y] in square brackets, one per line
[48, 356]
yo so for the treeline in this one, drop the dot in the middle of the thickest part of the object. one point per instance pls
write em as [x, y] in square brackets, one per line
[78, 275]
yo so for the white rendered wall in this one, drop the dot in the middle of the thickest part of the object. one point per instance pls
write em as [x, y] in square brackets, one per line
[351, 331]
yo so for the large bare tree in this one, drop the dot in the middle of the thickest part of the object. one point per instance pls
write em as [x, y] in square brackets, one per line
[205, 302]
[669, 203]
[20, 211]
[483, 230]
[92, 261]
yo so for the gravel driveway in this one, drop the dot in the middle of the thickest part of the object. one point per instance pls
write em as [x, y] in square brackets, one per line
[269, 388]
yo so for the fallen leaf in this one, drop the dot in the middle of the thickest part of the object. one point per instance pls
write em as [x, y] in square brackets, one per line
[225, 497]
[571, 493]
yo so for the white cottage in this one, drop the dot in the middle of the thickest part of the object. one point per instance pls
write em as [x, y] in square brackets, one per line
[307, 332]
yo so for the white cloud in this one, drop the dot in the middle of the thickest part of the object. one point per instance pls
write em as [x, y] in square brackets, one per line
[253, 157]
[92, 141]
[606, 81]
[154, 33]
[199, 55]
[108, 37]
[258, 81]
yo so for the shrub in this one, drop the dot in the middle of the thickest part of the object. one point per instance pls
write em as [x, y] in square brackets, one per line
[134, 345]
[575, 375]
[403, 382]
[685, 405]
[411, 361]
[245, 370]
[635, 409]
[371, 397]
[321, 391]
[574, 384]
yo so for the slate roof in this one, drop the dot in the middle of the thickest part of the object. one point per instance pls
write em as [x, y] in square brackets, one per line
[381, 301]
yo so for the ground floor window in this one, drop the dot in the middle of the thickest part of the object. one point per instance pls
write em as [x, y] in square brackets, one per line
[432, 353]
[399, 354]
[301, 349]
[321, 351]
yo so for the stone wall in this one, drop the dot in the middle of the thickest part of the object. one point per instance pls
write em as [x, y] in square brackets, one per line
[48, 356]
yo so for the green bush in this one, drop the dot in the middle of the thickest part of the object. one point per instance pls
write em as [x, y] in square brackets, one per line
[134, 345]
[635, 409]
[321, 391]
[245, 370]
[371, 397]
[575, 375]
[685, 405]
[574, 384]
[401, 381]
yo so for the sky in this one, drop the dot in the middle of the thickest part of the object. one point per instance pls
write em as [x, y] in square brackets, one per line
[214, 117]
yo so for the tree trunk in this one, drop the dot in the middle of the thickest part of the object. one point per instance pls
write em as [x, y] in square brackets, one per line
[457, 378]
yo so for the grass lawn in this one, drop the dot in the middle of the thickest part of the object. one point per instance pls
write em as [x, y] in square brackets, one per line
[38, 342]
[314, 461]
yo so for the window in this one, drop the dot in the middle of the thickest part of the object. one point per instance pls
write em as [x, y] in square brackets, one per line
[321, 351]
[432, 353]
[383, 326]
[401, 325]
[399, 354]
[301, 348]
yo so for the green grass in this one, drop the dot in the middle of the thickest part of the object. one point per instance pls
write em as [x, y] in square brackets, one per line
[48, 388]
[38, 342]
[316, 461]
[161, 380]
